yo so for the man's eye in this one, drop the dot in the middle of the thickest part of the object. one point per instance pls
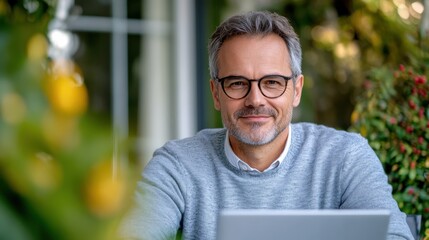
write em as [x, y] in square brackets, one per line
[236, 84]
[273, 83]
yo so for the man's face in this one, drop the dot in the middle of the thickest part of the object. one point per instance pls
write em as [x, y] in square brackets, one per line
[255, 119]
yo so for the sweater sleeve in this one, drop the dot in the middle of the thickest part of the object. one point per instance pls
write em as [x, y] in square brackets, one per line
[364, 186]
[159, 200]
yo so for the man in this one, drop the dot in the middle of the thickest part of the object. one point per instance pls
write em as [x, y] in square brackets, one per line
[260, 159]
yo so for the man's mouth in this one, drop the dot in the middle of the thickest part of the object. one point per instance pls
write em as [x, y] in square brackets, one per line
[255, 118]
[259, 114]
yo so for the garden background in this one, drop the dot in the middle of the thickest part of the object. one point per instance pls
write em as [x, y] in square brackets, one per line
[366, 69]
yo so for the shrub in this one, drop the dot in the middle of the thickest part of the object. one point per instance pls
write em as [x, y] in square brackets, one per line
[392, 113]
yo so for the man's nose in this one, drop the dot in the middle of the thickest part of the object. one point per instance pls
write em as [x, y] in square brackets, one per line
[255, 98]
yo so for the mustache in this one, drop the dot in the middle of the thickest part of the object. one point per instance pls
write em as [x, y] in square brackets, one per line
[255, 111]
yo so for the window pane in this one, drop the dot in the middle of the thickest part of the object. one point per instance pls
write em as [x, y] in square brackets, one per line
[134, 9]
[93, 57]
[101, 8]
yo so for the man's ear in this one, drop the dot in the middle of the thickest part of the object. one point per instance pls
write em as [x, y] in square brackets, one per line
[298, 86]
[215, 94]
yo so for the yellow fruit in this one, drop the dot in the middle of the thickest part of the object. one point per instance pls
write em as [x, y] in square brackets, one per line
[354, 117]
[104, 195]
[363, 131]
[67, 94]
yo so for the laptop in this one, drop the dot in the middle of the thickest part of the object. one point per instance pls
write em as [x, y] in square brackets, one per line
[270, 224]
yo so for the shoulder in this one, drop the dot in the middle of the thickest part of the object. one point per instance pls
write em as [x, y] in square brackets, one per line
[202, 141]
[320, 134]
[349, 148]
[201, 146]
[327, 143]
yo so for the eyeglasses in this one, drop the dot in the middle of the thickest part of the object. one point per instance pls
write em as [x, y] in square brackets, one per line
[238, 87]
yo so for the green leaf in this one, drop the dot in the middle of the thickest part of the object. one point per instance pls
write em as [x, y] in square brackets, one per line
[412, 174]
[403, 171]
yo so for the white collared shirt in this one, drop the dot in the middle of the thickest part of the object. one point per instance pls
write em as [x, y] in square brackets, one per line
[240, 164]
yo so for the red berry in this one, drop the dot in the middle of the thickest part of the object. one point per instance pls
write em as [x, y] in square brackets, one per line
[416, 151]
[410, 191]
[412, 104]
[421, 140]
[401, 68]
[421, 112]
[402, 148]
[420, 79]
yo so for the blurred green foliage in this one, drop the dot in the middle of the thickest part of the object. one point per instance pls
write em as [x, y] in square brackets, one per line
[393, 114]
[56, 177]
[342, 40]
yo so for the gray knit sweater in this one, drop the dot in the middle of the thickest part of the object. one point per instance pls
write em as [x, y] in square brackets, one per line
[188, 181]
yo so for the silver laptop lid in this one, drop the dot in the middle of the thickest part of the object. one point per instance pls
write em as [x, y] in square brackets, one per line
[302, 224]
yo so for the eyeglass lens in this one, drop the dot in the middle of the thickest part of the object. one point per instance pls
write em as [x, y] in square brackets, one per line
[270, 86]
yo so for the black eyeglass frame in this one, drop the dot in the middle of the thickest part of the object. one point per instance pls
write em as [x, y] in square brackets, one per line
[222, 80]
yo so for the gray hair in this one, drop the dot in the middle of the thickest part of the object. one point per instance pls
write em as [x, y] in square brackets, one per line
[255, 23]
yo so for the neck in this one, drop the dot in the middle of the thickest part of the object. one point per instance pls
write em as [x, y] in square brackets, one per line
[262, 156]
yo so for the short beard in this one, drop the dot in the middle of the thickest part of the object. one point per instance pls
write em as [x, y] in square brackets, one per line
[256, 138]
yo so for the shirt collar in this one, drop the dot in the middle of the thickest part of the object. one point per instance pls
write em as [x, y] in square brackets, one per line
[235, 161]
